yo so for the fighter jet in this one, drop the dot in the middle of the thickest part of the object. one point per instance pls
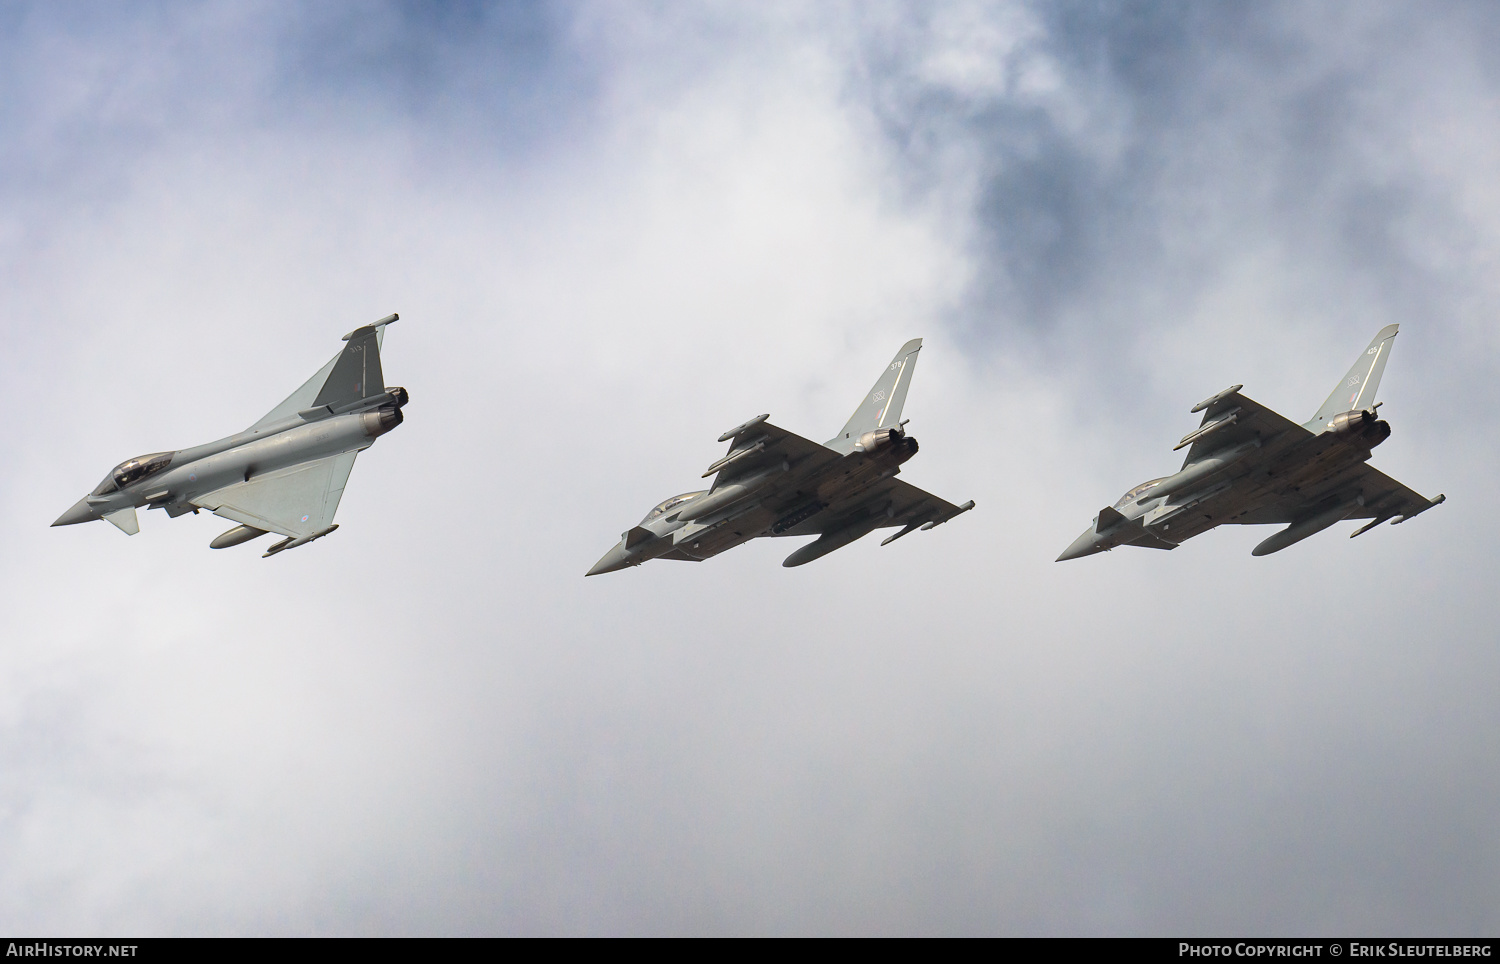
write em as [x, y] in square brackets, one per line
[776, 483]
[284, 474]
[1249, 466]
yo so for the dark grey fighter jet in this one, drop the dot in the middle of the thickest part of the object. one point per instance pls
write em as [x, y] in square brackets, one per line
[775, 483]
[1249, 466]
[284, 474]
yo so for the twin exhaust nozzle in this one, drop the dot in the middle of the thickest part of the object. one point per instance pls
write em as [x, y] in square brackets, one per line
[879, 439]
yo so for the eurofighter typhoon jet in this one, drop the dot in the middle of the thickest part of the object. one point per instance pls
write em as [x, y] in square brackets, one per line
[1249, 466]
[775, 483]
[284, 474]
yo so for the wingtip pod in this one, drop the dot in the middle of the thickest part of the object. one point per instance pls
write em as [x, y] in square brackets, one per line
[961, 510]
[1431, 505]
[743, 426]
[1212, 399]
[924, 522]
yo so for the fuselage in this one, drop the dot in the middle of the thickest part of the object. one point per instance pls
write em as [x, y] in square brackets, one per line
[1230, 486]
[189, 473]
[777, 501]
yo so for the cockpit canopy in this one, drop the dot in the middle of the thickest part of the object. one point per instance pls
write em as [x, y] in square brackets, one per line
[674, 502]
[131, 471]
[1137, 493]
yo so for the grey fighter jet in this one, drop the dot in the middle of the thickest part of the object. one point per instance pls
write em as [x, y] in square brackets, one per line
[284, 474]
[1249, 466]
[775, 483]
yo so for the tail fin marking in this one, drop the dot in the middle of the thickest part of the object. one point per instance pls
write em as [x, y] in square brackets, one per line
[882, 406]
[356, 374]
[1357, 390]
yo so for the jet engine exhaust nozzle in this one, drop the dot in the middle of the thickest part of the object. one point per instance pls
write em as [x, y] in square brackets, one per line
[1362, 425]
[880, 438]
[381, 421]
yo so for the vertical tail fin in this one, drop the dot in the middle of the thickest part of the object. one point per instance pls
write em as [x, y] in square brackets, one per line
[1357, 391]
[882, 406]
[357, 373]
[344, 379]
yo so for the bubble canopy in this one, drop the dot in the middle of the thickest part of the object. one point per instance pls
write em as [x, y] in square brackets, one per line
[1136, 492]
[670, 504]
[131, 471]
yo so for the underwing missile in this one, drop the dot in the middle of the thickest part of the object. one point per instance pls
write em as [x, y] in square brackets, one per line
[1227, 419]
[907, 530]
[294, 543]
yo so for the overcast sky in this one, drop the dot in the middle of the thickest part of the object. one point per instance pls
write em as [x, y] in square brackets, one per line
[614, 231]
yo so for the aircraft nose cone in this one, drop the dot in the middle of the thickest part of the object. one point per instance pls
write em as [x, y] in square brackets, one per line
[1085, 545]
[613, 560]
[81, 512]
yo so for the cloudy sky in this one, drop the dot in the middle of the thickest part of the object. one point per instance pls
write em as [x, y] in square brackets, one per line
[612, 232]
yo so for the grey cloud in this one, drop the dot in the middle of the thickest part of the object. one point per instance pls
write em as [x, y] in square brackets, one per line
[1210, 132]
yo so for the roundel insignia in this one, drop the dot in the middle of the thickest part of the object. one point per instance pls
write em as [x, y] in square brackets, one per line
[304, 518]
